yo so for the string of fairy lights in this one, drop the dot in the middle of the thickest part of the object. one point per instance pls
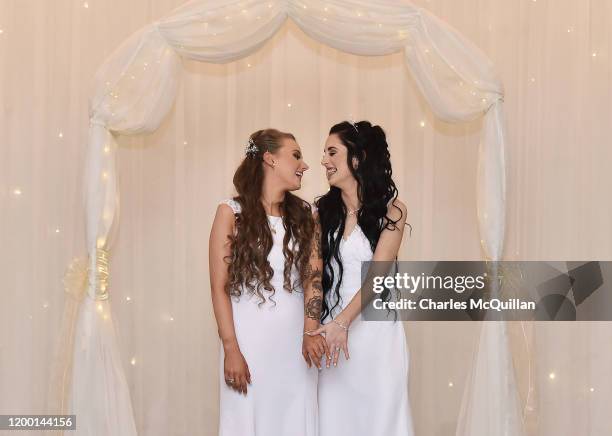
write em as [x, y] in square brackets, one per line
[18, 191]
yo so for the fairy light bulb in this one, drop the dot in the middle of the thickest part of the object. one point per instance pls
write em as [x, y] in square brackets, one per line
[16, 192]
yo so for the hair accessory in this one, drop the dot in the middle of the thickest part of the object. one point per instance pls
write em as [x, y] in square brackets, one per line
[354, 124]
[251, 148]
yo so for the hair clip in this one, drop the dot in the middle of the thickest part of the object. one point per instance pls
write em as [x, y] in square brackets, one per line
[354, 124]
[251, 148]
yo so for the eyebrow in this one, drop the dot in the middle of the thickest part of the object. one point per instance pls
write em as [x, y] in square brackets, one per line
[332, 146]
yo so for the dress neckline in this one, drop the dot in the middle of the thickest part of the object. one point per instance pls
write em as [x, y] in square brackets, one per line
[350, 234]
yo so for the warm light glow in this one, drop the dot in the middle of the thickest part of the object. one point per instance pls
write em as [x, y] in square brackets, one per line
[1, 31]
[105, 175]
[47, 305]
[100, 307]
[86, 5]
[60, 135]
[106, 149]
[552, 376]
[17, 192]
[592, 389]
[171, 318]
[184, 142]
[422, 123]
[594, 54]
[57, 230]
[289, 105]
[450, 384]
[128, 298]
[133, 361]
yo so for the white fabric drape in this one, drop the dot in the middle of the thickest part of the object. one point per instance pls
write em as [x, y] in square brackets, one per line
[136, 87]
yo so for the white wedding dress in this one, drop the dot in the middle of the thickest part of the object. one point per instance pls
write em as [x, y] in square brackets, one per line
[282, 399]
[368, 394]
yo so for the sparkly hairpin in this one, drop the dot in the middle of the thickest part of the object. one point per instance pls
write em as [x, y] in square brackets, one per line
[354, 124]
[251, 148]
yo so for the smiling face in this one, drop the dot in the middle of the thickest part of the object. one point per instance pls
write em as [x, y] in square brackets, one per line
[335, 162]
[288, 164]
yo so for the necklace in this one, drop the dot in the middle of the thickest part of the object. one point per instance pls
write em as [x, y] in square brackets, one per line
[352, 212]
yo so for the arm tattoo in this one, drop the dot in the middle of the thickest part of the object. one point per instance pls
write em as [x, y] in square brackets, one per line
[317, 240]
[313, 307]
[316, 281]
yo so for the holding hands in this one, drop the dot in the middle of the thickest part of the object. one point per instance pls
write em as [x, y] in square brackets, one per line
[336, 339]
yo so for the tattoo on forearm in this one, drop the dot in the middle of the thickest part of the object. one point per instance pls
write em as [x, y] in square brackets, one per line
[317, 238]
[313, 307]
[316, 277]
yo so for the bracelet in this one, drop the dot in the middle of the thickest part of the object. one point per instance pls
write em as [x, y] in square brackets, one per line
[342, 326]
[307, 332]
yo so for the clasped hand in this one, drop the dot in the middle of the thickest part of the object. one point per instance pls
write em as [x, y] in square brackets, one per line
[326, 341]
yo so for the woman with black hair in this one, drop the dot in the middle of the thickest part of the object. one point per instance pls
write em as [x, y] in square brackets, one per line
[360, 220]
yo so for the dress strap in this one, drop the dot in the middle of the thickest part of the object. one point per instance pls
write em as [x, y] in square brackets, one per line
[233, 204]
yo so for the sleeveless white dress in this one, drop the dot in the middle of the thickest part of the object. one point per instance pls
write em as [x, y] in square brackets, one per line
[368, 394]
[282, 397]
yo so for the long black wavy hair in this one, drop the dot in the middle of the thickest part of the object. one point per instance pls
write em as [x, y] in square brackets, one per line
[375, 189]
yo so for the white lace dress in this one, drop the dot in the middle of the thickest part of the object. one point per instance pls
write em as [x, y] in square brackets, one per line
[368, 394]
[282, 399]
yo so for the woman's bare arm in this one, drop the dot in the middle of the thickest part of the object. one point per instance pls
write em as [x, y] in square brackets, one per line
[314, 347]
[219, 248]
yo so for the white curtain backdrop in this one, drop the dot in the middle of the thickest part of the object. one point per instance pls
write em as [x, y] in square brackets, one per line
[171, 180]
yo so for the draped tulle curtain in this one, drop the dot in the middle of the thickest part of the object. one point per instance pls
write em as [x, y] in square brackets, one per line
[171, 180]
[136, 87]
